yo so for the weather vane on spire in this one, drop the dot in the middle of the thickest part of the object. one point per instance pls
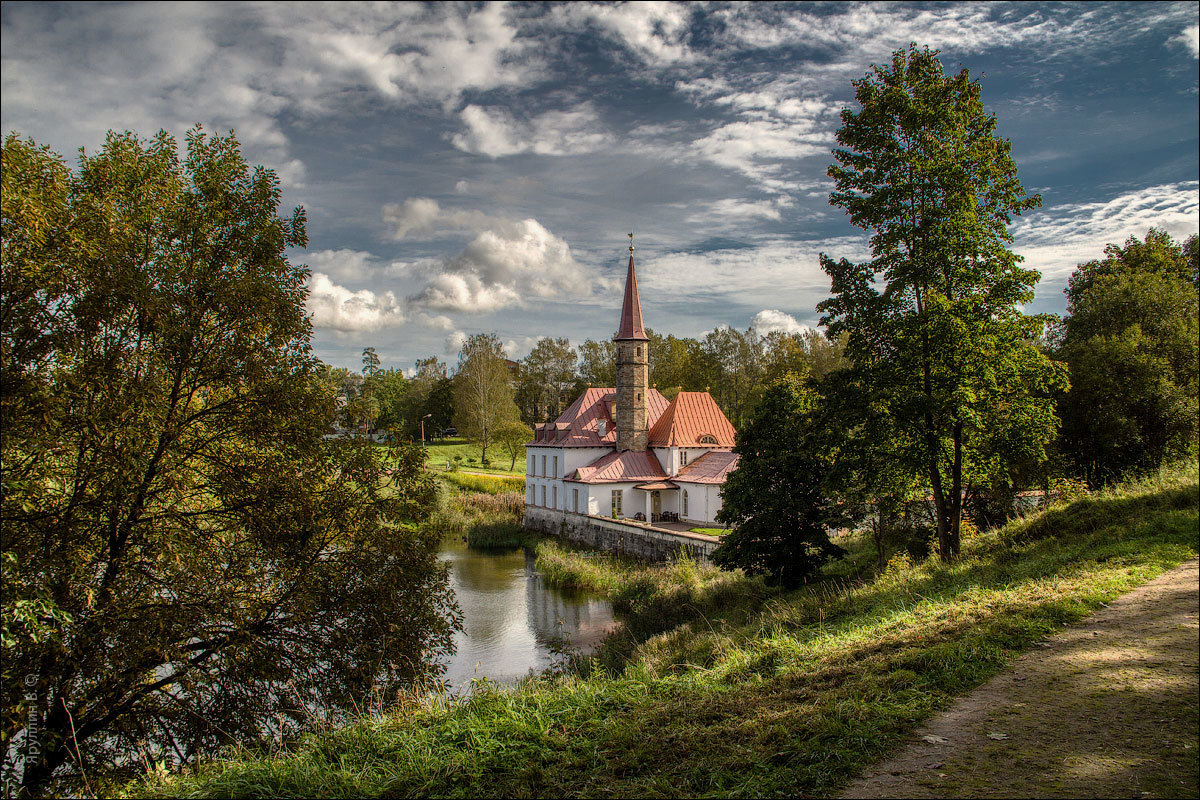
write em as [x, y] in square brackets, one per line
[630, 235]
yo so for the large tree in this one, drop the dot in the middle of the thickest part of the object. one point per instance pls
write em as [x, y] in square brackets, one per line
[1130, 338]
[483, 394]
[776, 500]
[547, 376]
[201, 565]
[933, 320]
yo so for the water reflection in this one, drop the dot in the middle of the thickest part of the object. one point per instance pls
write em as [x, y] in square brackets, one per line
[511, 618]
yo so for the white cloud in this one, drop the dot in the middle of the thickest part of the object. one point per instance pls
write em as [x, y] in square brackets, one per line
[1190, 39]
[496, 133]
[344, 266]
[341, 309]
[504, 266]
[241, 66]
[454, 342]
[514, 348]
[734, 212]
[656, 32]
[770, 320]
[1056, 239]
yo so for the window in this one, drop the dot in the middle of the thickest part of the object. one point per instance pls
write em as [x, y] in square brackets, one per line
[555, 475]
[601, 427]
[708, 439]
[543, 466]
[554, 495]
[685, 503]
[683, 457]
[639, 351]
[529, 495]
[616, 502]
[543, 492]
[529, 469]
[639, 399]
[575, 500]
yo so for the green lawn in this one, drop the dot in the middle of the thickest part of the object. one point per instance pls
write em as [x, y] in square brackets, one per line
[721, 687]
[446, 449]
[711, 531]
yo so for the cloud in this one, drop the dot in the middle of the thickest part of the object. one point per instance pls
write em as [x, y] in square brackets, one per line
[770, 320]
[514, 347]
[1056, 239]
[245, 66]
[345, 266]
[506, 264]
[656, 32]
[496, 133]
[454, 342]
[341, 309]
[1189, 39]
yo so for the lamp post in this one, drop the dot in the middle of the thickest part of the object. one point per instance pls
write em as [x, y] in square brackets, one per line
[427, 416]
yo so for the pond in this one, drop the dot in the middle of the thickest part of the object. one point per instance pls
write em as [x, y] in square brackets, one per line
[512, 621]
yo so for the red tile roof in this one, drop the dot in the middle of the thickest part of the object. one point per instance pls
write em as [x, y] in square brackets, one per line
[631, 309]
[712, 467]
[627, 465]
[690, 418]
[578, 426]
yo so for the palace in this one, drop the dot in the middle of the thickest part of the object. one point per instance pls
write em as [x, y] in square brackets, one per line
[628, 452]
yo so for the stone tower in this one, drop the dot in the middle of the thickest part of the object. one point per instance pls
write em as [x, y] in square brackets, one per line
[633, 370]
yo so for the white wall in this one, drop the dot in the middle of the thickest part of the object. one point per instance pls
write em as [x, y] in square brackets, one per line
[560, 463]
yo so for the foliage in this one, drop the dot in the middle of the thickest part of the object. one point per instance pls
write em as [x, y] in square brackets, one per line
[485, 483]
[776, 500]
[512, 436]
[597, 363]
[483, 396]
[547, 380]
[933, 321]
[187, 562]
[793, 697]
[1131, 340]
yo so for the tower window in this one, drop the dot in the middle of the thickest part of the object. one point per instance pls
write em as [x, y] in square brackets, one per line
[639, 395]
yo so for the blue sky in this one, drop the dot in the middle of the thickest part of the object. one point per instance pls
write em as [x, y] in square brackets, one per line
[476, 167]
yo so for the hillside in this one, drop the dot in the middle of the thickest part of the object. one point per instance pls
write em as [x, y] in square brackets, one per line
[721, 687]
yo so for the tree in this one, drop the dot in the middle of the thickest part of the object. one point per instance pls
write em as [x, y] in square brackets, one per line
[202, 565]
[512, 437]
[1130, 339]
[389, 387]
[370, 362]
[483, 396]
[932, 321]
[547, 376]
[776, 499]
[598, 363]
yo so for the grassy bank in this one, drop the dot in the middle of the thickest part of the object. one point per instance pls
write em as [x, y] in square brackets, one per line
[485, 511]
[736, 690]
[466, 456]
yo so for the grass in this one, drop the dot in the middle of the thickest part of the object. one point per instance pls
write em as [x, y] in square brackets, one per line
[488, 484]
[724, 688]
[446, 450]
[711, 531]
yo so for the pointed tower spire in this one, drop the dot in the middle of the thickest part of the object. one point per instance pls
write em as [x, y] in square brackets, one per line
[631, 310]
[633, 374]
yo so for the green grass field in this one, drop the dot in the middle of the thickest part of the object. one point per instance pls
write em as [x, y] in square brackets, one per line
[719, 686]
[445, 450]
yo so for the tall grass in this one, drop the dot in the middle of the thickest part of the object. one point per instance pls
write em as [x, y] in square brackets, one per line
[744, 691]
[485, 483]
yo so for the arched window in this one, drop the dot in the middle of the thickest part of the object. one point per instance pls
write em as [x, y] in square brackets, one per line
[685, 499]
[708, 439]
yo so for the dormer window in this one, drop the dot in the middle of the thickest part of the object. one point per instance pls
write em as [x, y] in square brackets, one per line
[601, 427]
[708, 439]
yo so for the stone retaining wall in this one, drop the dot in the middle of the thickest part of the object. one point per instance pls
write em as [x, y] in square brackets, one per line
[620, 536]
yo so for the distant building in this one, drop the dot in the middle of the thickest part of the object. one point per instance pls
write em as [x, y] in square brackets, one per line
[627, 451]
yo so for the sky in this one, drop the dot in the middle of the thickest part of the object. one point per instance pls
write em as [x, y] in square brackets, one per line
[476, 168]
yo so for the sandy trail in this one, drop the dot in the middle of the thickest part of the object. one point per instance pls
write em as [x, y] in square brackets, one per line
[1109, 707]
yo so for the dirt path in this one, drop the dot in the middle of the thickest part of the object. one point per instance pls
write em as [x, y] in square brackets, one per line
[1107, 708]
